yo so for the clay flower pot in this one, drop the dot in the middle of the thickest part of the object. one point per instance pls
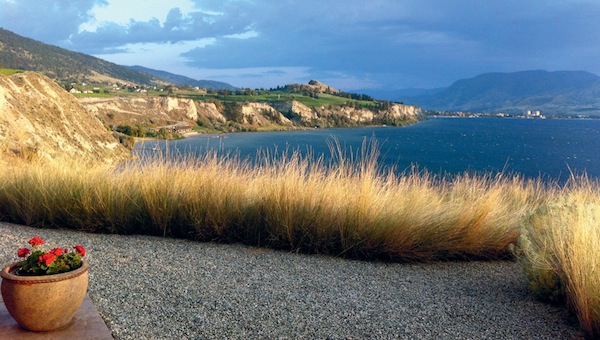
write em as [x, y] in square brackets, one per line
[45, 302]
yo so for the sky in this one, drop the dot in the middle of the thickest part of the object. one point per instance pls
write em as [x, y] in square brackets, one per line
[348, 44]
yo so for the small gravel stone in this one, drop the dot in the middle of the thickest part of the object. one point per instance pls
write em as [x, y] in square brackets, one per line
[159, 288]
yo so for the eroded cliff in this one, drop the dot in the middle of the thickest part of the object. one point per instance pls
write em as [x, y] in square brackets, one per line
[156, 111]
[147, 110]
[38, 118]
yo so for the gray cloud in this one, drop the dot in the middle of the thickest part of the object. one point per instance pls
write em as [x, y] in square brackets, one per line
[50, 21]
[175, 28]
[447, 40]
[386, 42]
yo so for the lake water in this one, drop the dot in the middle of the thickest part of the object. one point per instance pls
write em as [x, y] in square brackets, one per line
[547, 148]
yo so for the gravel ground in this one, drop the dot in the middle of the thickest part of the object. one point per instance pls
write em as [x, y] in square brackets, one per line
[156, 288]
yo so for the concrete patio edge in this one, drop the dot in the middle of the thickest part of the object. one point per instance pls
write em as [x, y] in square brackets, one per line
[86, 324]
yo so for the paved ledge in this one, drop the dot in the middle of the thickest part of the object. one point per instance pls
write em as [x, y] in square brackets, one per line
[86, 324]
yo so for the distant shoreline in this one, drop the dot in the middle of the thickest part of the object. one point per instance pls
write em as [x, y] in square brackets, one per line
[200, 134]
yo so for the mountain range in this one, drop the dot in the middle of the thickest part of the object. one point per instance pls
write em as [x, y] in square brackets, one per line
[575, 93]
[572, 93]
[179, 80]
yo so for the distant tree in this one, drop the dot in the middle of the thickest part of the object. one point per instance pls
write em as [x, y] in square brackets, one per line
[138, 131]
[233, 112]
[127, 141]
[124, 129]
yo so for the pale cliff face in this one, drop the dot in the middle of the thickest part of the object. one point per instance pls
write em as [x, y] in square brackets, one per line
[362, 115]
[359, 115]
[185, 106]
[400, 110]
[209, 110]
[150, 110]
[39, 117]
[147, 110]
[155, 111]
[262, 114]
[305, 112]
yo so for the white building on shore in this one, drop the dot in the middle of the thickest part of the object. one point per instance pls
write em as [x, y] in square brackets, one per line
[534, 114]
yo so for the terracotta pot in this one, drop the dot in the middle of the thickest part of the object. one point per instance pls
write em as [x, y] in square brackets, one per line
[45, 302]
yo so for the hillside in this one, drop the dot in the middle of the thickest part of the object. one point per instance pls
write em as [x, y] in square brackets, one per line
[179, 80]
[66, 67]
[38, 118]
[22, 53]
[554, 93]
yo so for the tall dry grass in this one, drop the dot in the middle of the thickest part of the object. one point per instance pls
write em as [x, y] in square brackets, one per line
[349, 208]
[559, 247]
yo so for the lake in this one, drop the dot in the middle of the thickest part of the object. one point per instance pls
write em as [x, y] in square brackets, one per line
[547, 148]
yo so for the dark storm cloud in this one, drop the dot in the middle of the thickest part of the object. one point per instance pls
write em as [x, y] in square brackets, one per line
[391, 43]
[396, 36]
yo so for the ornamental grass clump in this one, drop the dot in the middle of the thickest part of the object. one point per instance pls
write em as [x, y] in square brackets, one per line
[348, 207]
[558, 250]
[40, 262]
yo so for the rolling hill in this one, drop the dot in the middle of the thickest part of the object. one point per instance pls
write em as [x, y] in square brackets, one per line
[64, 66]
[554, 93]
[180, 80]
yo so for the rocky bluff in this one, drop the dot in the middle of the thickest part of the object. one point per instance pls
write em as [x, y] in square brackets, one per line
[153, 111]
[38, 118]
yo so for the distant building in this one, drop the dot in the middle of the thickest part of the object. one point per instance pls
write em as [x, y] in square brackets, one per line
[534, 114]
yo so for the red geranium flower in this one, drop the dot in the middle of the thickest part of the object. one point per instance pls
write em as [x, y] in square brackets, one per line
[80, 250]
[47, 258]
[36, 241]
[57, 251]
[37, 261]
[24, 252]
